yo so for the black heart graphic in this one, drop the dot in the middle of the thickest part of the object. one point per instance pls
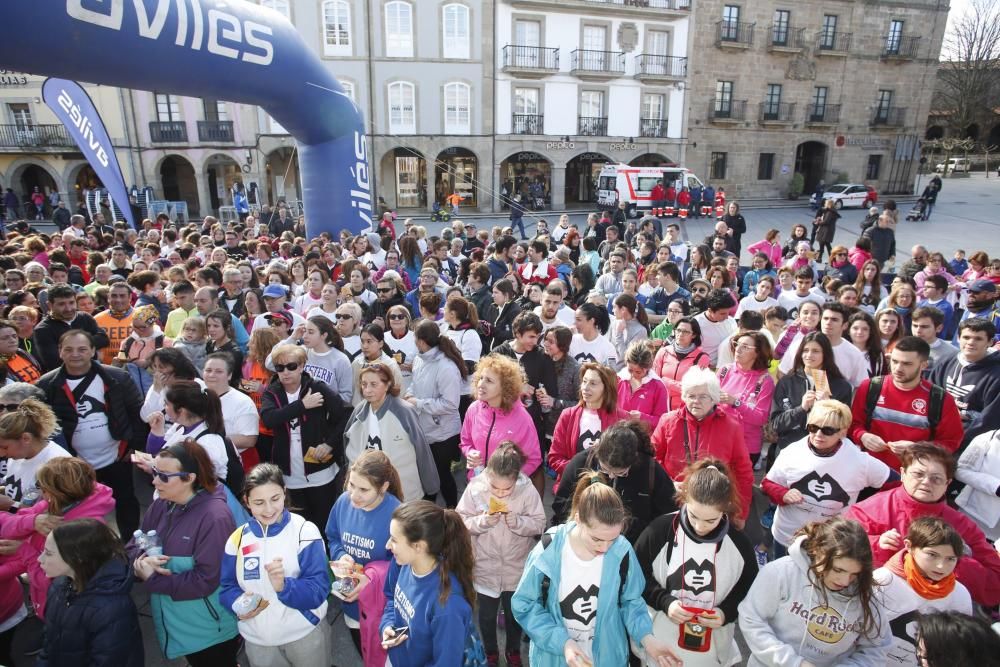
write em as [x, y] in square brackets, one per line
[587, 440]
[698, 577]
[584, 357]
[821, 487]
[580, 605]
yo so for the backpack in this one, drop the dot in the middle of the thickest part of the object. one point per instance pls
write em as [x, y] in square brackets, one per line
[235, 475]
[546, 582]
[933, 410]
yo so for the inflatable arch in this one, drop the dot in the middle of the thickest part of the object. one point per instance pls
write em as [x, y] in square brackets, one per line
[236, 51]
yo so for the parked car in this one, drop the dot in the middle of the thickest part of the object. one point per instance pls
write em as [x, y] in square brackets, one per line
[954, 164]
[850, 194]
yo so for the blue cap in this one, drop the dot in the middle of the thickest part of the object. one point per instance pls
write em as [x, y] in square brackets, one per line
[274, 291]
[983, 285]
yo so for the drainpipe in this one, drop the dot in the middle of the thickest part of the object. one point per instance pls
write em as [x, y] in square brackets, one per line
[128, 136]
[142, 167]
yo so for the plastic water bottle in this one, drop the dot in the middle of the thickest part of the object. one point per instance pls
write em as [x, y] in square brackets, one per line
[478, 470]
[139, 538]
[30, 497]
[153, 546]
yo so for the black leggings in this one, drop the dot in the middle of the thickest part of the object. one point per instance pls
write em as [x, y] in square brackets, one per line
[315, 502]
[488, 608]
[222, 654]
[445, 453]
[828, 247]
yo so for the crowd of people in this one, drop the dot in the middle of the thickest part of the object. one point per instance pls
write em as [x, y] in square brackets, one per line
[253, 426]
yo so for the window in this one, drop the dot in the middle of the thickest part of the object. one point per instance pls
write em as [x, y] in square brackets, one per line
[772, 101]
[717, 166]
[894, 38]
[281, 6]
[765, 167]
[456, 31]
[828, 36]
[723, 99]
[591, 104]
[779, 29]
[21, 115]
[730, 23]
[398, 29]
[527, 33]
[652, 107]
[594, 38]
[526, 101]
[215, 109]
[658, 43]
[337, 28]
[818, 110]
[167, 108]
[402, 108]
[348, 87]
[457, 116]
[874, 167]
[883, 106]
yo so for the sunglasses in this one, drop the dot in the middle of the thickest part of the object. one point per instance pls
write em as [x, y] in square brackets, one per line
[293, 366]
[385, 290]
[344, 316]
[8, 406]
[397, 317]
[825, 430]
[165, 476]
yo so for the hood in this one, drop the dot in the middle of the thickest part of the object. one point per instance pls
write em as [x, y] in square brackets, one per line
[113, 578]
[97, 504]
[624, 374]
[802, 562]
[991, 360]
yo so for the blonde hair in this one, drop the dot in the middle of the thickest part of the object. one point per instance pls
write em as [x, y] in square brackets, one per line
[65, 480]
[196, 322]
[32, 417]
[288, 351]
[830, 413]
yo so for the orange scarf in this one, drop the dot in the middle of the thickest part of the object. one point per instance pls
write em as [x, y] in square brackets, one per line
[902, 564]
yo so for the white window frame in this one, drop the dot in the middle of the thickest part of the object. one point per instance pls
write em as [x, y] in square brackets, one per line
[168, 103]
[350, 89]
[457, 116]
[283, 7]
[405, 121]
[660, 104]
[341, 15]
[398, 37]
[455, 31]
[533, 97]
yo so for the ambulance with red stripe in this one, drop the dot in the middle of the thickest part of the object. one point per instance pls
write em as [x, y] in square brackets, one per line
[634, 185]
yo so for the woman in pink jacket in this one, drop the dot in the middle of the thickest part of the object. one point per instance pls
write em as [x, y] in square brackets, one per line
[504, 515]
[677, 356]
[770, 246]
[497, 414]
[69, 491]
[640, 392]
[747, 387]
[935, 267]
[580, 427]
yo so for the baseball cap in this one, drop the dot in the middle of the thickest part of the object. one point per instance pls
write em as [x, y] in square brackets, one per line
[701, 281]
[282, 315]
[274, 291]
[983, 285]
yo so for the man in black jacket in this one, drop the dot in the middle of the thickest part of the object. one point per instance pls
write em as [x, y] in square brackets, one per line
[98, 410]
[63, 317]
[61, 216]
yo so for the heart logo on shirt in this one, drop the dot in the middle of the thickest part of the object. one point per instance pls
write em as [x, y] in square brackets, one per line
[580, 605]
[698, 577]
[587, 440]
[821, 488]
[584, 357]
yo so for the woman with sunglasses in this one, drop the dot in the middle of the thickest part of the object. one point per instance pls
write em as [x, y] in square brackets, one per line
[193, 522]
[307, 417]
[679, 355]
[401, 342]
[817, 477]
[349, 322]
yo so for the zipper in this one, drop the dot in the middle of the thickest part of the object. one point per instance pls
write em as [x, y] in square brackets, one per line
[488, 435]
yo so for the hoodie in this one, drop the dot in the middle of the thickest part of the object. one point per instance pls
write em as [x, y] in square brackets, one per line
[486, 427]
[786, 619]
[976, 390]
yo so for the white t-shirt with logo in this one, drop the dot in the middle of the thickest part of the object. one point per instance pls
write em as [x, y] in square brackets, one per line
[19, 474]
[297, 479]
[599, 350]
[92, 438]
[579, 587]
[590, 429]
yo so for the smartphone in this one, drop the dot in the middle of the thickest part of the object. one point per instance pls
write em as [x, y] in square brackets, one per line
[400, 632]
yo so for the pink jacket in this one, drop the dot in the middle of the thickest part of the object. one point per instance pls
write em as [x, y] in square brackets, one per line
[772, 250]
[650, 399]
[858, 257]
[501, 549]
[371, 603]
[755, 401]
[484, 428]
[921, 277]
[671, 370]
[22, 527]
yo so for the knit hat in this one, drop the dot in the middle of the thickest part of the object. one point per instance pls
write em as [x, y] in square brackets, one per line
[147, 315]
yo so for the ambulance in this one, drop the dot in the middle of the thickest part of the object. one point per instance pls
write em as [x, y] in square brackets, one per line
[634, 185]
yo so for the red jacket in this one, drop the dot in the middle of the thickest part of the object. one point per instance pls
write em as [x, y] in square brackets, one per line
[902, 415]
[683, 198]
[567, 433]
[719, 435]
[650, 399]
[671, 370]
[658, 193]
[895, 508]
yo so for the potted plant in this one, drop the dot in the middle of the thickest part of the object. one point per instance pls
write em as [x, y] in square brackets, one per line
[796, 185]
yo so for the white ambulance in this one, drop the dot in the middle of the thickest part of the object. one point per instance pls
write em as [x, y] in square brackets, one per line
[634, 185]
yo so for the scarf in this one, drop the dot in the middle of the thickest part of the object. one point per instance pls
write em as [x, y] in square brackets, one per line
[682, 352]
[714, 537]
[901, 564]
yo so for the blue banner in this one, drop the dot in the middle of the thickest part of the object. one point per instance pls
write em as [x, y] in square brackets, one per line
[219, 49]
[76, 110]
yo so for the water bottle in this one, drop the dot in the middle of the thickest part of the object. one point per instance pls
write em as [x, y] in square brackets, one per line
[30, 497]
[478, 470]
[153, 546]
[139, 538]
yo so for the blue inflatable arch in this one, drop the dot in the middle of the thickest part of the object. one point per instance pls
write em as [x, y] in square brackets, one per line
[235, 51]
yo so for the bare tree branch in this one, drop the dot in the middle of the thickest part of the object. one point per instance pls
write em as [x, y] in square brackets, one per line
[969, 77]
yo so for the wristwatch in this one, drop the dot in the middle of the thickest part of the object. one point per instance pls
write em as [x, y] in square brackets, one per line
[737, 403]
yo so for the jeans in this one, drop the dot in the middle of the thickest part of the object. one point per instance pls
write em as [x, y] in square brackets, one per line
[928, 208]
[518, 224]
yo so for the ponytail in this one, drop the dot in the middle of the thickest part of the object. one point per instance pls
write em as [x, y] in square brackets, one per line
[447, 540]
[506, 460]
[377, 468]
[594, 501]
[430, 333]
[199, 401]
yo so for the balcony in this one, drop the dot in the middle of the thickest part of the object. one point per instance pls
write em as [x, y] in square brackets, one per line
[524, 123]
[786, 39]
[215, 131]
[168, 132]
[653, 127]
[833, 43]
[734, 34]
[889, 117]
[592, 127]
[900, 48]
[644, 9]
[530, 61]
[776, 113]
[596, 65]
[35, 137]
[652, 68]
[823, 114]
[727, 111]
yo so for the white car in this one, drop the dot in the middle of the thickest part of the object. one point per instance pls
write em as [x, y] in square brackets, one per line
[954, 164]
[850, 194]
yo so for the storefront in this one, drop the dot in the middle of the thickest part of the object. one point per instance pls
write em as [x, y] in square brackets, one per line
[582, 173]
[457, 170]
[410, 178]
[529, 174]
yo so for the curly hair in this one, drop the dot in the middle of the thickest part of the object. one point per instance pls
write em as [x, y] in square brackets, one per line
[510, 374]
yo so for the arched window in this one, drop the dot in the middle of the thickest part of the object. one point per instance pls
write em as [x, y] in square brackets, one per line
[336, 28]
[398, 29]
[457, 108]
[455, 32]
[402, 108]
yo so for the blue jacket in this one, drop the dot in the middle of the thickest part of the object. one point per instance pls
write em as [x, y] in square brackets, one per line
[98, 627]
[615, 618]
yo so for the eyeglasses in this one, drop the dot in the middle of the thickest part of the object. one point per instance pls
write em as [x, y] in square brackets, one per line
[384, 290]
[165, 476]
[614, 473]
[688, 332]
[696, 398]
[344, 316]
[936, 480]
[825, 430]
[293, 366]
[397, 317]
[743, 348]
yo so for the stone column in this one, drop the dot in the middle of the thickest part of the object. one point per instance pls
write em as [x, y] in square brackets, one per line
[558, 187]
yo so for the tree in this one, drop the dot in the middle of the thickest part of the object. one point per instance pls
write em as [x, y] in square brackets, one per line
[969, 76]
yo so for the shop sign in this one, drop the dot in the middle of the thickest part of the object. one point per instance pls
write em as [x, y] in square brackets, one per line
[864, 142]
[528, 156]
[12, 79]
[560, 145]
[624, 147]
